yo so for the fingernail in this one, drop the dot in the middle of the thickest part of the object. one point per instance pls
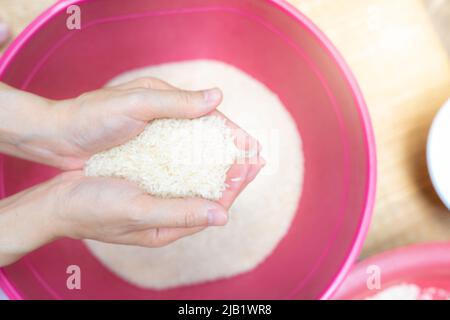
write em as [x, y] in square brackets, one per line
[216, 217]
[212, 96]
[4, 32]
[237, 178]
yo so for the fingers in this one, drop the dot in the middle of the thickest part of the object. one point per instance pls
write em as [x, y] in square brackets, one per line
[147, 98]
[145, 83]
[179, 222]
[242, 139]
[238, 177]
[4, 33]
[161, 236]
[246, 167]
[152, 212]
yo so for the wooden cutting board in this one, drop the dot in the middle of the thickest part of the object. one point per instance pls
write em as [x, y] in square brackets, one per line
[404, 73]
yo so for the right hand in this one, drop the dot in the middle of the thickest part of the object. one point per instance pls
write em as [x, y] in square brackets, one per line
[104, 209]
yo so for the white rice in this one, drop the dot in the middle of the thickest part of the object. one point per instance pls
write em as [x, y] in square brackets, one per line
[409, 291]
[173, 158]
[261, 215]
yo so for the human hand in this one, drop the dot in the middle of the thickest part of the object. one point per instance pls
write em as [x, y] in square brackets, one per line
[108, 117]
[66, 133]
[117, 211]
[109, 210]
[106, 209]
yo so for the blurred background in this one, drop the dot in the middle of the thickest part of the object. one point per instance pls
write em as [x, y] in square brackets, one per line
[399, 51]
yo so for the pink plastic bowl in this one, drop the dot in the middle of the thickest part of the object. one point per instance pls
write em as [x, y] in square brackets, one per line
[271, 41]
[425, 265]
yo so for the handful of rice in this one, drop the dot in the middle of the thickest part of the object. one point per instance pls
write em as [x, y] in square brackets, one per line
[173, 158]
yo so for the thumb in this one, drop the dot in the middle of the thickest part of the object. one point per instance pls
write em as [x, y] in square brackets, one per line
[148, 104]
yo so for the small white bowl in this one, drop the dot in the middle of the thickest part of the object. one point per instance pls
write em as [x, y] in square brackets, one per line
[438, 153]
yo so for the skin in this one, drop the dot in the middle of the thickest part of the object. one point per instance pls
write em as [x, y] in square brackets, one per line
[66, 133]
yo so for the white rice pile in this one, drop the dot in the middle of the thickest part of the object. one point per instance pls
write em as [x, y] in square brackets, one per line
[173, 158]
[259, 218]
[408, 291]
[398, 292]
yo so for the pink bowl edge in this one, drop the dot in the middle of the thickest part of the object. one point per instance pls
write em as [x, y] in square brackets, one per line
[431, 250]
[36, 24]
[369, 138]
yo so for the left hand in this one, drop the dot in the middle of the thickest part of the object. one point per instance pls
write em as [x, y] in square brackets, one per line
[66, 133]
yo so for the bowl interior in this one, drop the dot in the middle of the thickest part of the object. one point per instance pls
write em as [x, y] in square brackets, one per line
[269, 41]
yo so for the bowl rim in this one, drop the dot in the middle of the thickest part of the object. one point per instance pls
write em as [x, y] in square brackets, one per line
[368, 135]
[433, 171]
[411, 257]
[369, 139]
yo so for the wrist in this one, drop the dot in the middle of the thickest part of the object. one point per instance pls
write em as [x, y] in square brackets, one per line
[27, 222]
[21, 115]
[33, 128]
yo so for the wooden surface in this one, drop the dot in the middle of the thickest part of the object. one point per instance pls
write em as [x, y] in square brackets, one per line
[404, 72]
[440, 13]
